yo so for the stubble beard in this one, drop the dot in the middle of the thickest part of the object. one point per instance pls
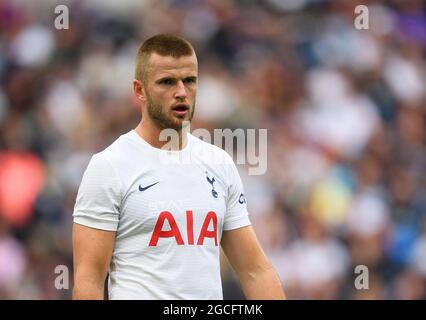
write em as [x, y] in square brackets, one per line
[164, 119]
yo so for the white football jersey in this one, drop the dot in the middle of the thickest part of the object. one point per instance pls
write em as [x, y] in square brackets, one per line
[169, 209]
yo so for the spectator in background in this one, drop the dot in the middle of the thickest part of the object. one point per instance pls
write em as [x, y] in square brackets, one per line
[344, 109]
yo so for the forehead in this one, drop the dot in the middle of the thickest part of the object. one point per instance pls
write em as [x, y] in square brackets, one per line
[167, 65]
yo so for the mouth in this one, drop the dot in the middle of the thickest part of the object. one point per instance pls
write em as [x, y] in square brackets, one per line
[180, 109]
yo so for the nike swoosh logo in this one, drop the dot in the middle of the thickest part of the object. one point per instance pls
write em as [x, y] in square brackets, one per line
[147, 187]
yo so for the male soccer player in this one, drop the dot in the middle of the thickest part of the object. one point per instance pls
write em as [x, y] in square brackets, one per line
[157, 223]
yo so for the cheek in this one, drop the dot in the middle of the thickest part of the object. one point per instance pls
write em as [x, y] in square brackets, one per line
[158, 96]
[192, 93]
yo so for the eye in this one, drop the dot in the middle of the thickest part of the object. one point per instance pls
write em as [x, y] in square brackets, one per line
[190, 80]
[167, 81]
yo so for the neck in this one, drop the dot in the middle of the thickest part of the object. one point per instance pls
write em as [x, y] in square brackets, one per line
[151, 134]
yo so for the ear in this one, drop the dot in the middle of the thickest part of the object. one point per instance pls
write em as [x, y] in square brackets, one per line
[138, 90]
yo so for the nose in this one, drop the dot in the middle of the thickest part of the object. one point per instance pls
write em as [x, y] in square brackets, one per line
[180, 90]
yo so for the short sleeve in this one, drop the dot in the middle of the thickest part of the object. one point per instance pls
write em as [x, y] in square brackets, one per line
[236, 207]
[99, 196]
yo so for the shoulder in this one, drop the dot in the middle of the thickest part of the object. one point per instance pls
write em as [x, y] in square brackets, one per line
[210, 152]
[112, 155]
[215, 159]
[107, 166]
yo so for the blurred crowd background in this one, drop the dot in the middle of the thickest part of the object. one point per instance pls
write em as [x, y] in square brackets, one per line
[344, 109]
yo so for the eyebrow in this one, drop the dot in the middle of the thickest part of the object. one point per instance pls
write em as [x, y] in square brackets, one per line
[174, 78]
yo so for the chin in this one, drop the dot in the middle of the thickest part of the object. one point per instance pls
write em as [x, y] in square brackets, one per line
[177, 122]
[173, 124]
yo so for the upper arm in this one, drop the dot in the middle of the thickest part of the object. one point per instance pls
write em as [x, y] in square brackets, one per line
[96, 216]
[99, 196]
[243, 251]
[239, 241]
[92, 251]
[236, 215]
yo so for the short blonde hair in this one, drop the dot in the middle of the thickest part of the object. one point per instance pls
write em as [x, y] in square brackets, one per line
[162, 44]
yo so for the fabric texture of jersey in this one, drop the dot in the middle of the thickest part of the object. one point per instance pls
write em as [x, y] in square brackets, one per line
[169, 209]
